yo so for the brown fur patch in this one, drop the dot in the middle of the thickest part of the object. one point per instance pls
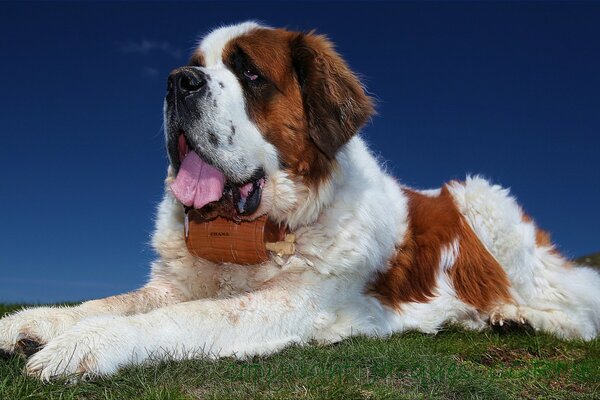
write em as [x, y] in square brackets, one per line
[542, 237]
[476, 276]
[334, 100]
[197, 58]
[300, 129]
[434, 224]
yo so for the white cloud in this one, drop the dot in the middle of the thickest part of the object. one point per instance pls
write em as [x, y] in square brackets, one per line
[150, 72]
[147, 46]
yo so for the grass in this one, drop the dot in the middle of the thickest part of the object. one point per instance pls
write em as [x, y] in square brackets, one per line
[454, 364]
[592, 260]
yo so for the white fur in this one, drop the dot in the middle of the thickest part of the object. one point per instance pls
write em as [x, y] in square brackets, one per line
[248, 150]
[346, 232]
[550, 295]
[213, 43]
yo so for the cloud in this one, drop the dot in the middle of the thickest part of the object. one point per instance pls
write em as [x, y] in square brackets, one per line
[148, 46]
[150, 72]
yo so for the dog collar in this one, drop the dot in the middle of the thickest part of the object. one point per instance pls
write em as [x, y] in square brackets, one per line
[222, 240]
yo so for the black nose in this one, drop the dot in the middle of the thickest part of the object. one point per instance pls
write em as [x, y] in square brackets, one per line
[186, 80]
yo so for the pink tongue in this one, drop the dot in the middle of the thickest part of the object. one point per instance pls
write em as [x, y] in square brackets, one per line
[197, 182]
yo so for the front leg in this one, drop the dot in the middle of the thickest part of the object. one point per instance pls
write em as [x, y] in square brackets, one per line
[255, 323]
[26, 331]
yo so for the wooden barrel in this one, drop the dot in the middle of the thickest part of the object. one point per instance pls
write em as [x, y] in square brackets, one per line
[223, 241]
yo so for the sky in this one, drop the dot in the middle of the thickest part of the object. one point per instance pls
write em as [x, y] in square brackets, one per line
[510, 91]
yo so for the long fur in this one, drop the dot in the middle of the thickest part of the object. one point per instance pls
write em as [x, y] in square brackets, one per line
[358, 231]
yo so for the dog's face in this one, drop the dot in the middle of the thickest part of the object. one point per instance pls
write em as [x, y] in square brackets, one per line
[266, 108]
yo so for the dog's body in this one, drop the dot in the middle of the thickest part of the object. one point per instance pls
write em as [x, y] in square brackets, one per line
[275, 114]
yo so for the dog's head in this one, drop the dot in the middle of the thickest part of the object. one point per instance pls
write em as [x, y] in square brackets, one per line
[260, 114]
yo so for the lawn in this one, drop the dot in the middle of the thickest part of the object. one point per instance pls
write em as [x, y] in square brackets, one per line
[453, 364]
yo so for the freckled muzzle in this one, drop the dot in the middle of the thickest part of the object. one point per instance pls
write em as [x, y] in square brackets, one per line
[199, 183]
[186, 91]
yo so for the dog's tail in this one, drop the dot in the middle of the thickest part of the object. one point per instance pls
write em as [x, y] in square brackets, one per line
[567, 300]
[582, 285]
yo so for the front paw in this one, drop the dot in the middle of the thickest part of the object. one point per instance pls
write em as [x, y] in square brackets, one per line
[94, 347]
[27, 331]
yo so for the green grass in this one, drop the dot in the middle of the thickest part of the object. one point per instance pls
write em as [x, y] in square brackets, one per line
[592, 260]
[454, 364]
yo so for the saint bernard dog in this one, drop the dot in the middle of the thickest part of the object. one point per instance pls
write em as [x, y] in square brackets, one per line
[267, 121]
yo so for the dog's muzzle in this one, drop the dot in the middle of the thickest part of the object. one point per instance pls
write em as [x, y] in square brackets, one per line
[186, 90]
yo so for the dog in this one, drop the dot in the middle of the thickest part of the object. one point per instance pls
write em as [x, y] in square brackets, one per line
[271, 118]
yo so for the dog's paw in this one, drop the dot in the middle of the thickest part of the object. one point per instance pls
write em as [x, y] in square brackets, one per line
[4, 355]
[27, 331]
[94, 347]
[506, 317]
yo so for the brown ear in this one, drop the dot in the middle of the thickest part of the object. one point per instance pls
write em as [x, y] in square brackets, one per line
[334, 100]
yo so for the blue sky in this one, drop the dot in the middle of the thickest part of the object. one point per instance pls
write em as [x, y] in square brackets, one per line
[507, 90]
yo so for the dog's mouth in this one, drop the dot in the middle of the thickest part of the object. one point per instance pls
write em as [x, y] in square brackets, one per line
[200, 185]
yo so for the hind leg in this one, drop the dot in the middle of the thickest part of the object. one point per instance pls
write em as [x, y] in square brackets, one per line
[550, 320]
[504, 313]
[553, 321]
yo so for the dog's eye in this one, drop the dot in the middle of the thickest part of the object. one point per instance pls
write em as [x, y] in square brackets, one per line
[249, 75]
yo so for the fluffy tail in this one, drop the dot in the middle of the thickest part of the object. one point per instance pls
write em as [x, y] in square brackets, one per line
[566, 299]
[581, 286]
